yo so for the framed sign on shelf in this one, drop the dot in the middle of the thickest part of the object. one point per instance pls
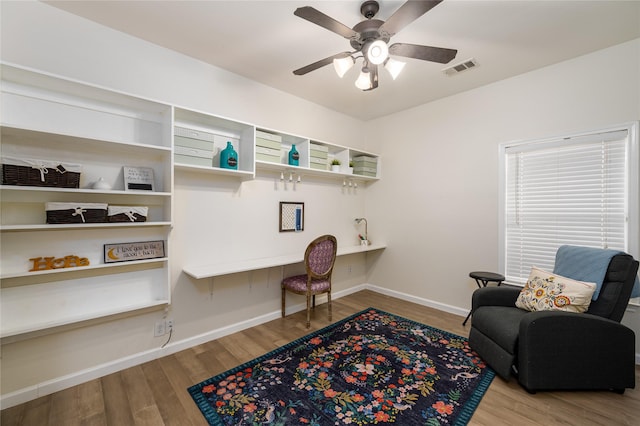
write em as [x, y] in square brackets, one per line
[125, 252]
[138, 178]
[291, 216]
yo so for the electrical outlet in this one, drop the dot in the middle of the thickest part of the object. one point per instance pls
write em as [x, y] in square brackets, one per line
[159, 329]
[169, 326]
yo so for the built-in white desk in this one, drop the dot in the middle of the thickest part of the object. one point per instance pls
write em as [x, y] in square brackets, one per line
[217, 269]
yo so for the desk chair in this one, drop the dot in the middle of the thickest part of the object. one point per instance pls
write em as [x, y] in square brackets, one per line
[319, 259]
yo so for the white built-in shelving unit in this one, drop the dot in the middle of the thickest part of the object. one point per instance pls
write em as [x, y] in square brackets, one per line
[303, 146]
[51, 118]
[243, 138]
[54, 118]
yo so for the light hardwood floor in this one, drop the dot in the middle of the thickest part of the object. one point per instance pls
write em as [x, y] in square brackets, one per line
[155, 393]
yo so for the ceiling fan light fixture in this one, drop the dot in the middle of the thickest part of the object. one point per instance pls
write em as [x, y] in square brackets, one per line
[343, 65]
[394, 67]
[377, 52]
[364, 80]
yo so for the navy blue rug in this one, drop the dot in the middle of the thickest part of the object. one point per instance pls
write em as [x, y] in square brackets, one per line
[371, 368]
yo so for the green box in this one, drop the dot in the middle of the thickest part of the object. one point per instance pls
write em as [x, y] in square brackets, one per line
[268, 136]
[268, 143]
[193, 152]
[318, 147]
[193, 143]
[193, 161]
[193, 134]
[267, 157]
[268, 151]
[365, 169]
[365, 158]
[318, 166]
[363, 173]
[319, 154]
[364, 161]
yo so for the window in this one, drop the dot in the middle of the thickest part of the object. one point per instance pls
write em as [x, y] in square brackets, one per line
[578, 189]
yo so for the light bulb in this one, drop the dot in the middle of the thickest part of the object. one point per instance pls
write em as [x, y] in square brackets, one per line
[394, 67]
[364, 80]
[377, 52]
[343, 65]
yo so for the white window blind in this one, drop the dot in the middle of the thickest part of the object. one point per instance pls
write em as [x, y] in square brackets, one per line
[565, 191]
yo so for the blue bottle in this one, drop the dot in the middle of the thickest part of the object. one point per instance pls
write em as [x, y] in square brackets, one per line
[294, 156]
[229, 157]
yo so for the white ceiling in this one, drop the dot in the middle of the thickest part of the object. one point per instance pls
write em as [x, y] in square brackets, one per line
[264, 41]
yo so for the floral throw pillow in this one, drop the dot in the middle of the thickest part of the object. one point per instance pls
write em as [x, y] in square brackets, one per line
[545, 291]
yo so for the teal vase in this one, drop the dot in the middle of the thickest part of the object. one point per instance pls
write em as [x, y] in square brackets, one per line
[294, 156]
[229, 157]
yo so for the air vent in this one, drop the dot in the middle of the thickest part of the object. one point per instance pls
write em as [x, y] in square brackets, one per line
[461, 66]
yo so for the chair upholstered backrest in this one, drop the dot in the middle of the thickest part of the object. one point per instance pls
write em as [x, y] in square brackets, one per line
[320, 256]
[616, 288]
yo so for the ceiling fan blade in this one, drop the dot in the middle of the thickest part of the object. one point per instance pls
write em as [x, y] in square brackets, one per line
[321, 63]
[426, 53]
[319, 18]
[373, 76]
[406, 14]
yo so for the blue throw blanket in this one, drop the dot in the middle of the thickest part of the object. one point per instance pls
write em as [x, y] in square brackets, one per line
[587, 264]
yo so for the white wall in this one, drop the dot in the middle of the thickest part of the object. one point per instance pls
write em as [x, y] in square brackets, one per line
[436, 205]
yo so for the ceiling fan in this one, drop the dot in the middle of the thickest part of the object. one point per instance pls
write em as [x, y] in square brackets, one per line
[371, 37]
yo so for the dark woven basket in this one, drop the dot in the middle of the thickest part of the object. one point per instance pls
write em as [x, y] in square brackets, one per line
[28, 176]
[121, 217]
[66, 216]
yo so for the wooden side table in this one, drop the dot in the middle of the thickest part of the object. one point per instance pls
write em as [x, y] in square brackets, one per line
[482, 279]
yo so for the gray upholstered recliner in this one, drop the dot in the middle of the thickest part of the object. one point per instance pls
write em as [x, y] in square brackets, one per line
[552, 350]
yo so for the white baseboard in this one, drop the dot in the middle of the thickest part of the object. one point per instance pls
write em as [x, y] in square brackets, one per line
[63, 382]
[419, 300]
[60, 383]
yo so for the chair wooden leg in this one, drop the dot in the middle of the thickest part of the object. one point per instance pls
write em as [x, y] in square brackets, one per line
[329, 303]
[283, 296]
[308, 310]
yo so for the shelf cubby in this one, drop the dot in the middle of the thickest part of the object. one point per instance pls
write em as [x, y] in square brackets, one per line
[221, 131]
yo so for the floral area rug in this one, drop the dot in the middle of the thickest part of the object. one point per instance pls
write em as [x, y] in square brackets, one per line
[371, 368]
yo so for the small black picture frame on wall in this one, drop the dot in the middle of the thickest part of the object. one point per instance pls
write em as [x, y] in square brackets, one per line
[291, 216]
